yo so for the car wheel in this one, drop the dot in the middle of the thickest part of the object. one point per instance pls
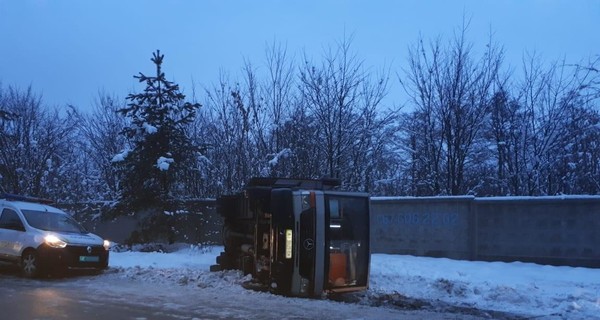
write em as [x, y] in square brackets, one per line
[30, 267]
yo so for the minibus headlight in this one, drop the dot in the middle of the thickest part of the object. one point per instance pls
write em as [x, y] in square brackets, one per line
[288, 243]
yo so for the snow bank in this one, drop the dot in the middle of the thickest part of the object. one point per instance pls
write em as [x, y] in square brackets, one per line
[185, 257]
[521, 288]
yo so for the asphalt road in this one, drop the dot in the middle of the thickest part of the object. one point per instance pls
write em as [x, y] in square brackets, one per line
[73, 297]
[61, 303]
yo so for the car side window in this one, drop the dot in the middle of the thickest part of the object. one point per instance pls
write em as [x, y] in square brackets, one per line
[10, 220]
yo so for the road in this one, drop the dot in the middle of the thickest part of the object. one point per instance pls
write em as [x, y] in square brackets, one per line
[110, 296]
[73, 297]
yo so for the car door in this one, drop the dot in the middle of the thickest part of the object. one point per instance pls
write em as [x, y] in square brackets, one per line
[12, 233]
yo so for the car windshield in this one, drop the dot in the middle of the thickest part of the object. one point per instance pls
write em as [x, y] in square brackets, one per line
[52, 221]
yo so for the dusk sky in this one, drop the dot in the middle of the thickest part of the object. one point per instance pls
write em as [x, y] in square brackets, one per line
[68, 51]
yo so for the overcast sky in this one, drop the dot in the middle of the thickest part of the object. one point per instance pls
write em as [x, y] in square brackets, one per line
[70, 50]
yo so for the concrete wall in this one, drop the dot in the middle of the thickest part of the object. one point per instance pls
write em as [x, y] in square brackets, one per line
[442, 228]
[546, 230]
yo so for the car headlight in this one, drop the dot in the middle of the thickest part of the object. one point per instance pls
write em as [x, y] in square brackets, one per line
[54, 241]
[106, 244]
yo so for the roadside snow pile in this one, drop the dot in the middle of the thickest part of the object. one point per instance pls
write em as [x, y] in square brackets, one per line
[406, 282]
[185, 266]
[521, 288]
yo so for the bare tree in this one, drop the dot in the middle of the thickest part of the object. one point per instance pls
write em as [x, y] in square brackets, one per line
[101, 141]
[505, 122]
[227, 132]
[279, 98]
[550, 97]
[372, 154]
[36, 153]
[5, 115]
[277, 88]
[332, 91]
[451, 91]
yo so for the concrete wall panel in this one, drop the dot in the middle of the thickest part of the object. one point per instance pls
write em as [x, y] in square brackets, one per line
[437, 227]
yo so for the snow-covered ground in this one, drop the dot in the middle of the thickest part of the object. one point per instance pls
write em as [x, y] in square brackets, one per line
[525, 289]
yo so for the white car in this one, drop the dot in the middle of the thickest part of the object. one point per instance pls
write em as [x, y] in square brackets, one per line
[41, 239]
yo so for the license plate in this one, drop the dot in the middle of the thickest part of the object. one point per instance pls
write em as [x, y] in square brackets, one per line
[89, 258]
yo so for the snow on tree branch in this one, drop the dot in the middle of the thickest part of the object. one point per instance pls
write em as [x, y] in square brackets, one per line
[163, 163]
[120, 156]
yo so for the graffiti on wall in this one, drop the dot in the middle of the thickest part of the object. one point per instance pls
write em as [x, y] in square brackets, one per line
[427, 219]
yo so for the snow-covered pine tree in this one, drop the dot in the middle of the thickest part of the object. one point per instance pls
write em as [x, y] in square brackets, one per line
[161, 149]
